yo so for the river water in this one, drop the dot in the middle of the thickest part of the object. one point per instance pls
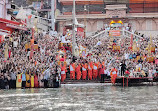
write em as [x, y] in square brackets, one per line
[85, 97]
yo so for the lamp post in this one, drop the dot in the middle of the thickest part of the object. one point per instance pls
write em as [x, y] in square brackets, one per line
[73, 29]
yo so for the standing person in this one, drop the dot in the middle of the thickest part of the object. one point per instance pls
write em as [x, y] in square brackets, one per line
[32, 80]
[95, 70]
[63, 72]
[13, 78]
[36, 80]
[123, 68]
[2, 83]
[27, 79]
[23, 79]
[72, 71]
[19, 80]
[6, 80]
[41, 78]
[46, 77]
[78, 71]
[101, 71]
[113, 75]
[90, 65]
[84, 71]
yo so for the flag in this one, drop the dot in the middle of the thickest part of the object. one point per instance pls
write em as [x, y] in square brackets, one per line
[131, 42]
[21, 14]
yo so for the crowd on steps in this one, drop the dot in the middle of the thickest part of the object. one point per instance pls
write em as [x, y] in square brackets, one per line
[37, 66]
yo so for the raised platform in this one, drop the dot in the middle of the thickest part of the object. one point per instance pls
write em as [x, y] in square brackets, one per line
[126, 81]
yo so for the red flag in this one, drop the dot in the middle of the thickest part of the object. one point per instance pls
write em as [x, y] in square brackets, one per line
[131, 43]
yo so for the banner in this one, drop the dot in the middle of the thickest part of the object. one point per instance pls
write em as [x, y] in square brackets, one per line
[80, 31]
[114, 33]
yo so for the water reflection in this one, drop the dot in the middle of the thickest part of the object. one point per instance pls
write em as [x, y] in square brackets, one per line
[79, 97]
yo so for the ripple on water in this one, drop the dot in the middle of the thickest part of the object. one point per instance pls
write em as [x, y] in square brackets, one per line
[81, 98]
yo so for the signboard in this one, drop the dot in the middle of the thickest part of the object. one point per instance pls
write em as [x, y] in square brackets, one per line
[114, 33]
[80, 31]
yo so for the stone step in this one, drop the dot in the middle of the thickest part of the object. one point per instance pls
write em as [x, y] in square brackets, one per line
[68, 81]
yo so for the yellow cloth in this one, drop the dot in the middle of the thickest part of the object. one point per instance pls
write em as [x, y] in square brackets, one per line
[6, 51]
[32, 81]
[27, 79]
[19, 80]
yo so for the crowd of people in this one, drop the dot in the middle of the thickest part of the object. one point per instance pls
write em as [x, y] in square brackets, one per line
[23, 67]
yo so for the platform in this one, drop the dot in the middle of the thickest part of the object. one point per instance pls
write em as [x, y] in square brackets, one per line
[126, 81]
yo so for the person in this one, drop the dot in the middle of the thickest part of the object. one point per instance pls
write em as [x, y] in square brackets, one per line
[23, 80]
[107, 73]
[36, 81]
[113, 75]
[19, 80]
[32, 79]
[101, 71]
[84, 71]
[63, 72]
[2, 83]
[78, 71]
[123, 68]
[95, 70]
[127, 73]
[13, 78]
[27, 79]
[90, 70]
[72, 71]
[46, 77]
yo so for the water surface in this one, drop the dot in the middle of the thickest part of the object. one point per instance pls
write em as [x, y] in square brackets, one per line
[89, 97]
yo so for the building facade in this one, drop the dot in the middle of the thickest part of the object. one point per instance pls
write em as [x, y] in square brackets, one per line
[142, 15]
[4, 6]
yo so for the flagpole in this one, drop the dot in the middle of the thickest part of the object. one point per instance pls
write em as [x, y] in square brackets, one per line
[52, 15]
[74, 37]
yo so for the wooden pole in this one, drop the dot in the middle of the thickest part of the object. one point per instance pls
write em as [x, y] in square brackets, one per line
[123, 81]
[127, 81]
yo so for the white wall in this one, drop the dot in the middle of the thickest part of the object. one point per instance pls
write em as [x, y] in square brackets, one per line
[149, 33]
[3, 10]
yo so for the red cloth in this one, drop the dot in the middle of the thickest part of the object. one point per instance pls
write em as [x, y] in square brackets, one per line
[78, 72]
[90, 74]
[63, 76]
[127, 72]
[101, 71]
[84, 73]
[36, 82]
[61, 59]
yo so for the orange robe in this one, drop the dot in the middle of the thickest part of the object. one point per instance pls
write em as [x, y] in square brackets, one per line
[72, 71]
[63, 73]
[84, 71]
[95, 71]
[90, 68]
[78, 72]
[113, 75]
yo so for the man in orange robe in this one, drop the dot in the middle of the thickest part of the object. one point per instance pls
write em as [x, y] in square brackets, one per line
[63, 72]
[84, 71]
[72, 71]
[90, 68]
[78, 72]
[113, 75]
[95, 70]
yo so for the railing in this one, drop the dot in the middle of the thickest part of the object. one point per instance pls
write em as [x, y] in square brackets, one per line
[123, 33]
[128, 34]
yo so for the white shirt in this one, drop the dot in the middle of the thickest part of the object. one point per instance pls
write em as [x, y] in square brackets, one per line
[126, 55]
[15, 43]
[107, 72]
